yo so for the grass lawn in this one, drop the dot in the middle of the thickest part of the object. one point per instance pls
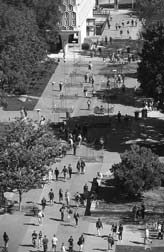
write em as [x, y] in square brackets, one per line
[38, 82]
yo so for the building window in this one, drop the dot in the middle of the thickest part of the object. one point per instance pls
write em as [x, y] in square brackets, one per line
[70, 8]
[73, 15]
[66, 15]
[74, 22]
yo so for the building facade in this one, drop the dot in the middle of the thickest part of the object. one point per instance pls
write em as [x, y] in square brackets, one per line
[77, 21]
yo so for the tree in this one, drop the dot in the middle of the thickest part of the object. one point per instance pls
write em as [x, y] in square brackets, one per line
[151, 67]
[29, 148]
[150, 10]
[138, 171]
[21, 46]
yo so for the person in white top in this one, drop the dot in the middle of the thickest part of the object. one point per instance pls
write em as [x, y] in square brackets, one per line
[54, 243]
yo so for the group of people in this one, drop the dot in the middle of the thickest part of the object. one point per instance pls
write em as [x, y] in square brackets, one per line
[38, 240]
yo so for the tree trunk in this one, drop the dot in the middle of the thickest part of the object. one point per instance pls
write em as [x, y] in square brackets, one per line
[20, 200]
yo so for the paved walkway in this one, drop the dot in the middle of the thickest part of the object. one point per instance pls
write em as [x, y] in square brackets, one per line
[20, 227]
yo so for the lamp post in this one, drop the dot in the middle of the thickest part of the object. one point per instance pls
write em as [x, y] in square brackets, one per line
[53, 100]
[74, 57]
[38, 114]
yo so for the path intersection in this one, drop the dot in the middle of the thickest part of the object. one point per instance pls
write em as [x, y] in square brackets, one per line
[20, 226]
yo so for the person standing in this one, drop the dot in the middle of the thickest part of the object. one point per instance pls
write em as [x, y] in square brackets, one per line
[70, 244]
[110, 241]
[60, 195]
[62, 210]
[45, 244]
[51, 196]
[70, 170]
[76, 217]
[54, 243]
[120, 231]
[56, 173]
[40, 239]
[99, 226]
[81, 242]
[6, 240]
[85, 91]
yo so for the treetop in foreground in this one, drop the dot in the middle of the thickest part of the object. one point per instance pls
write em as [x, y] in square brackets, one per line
[27, 150]
[139, 170]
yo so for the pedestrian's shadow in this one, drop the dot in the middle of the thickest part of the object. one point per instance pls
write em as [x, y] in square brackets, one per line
[30, 224]
[137, 242]
[100, 249]
[26, 245]
[67, 225]
[54, 219]
[89, 234]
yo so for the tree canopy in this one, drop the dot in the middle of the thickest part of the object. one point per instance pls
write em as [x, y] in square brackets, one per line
[151, 10]
[151, 68]
[27, 149]
[23, 39]
[138, 171]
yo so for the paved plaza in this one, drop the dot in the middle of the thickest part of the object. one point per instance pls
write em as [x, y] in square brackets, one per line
[19, 226]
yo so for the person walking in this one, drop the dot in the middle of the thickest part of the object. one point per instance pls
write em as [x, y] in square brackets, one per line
[56, 173]
[51, 196]
[120, 231]
[62, 211]
[82, 167]
[143, 210]
[110, 240]
[40, 239]
[99, 226]
[81, 242]
[78, 166]
[63, 248]
[64, 171]
[76, 217]
[40, 217]
[86, 78]
[85, 91]
[43, 203]
[45, 244]
[34, 238]
[89, 104]
[114, 230]
[70, 170]
[54, 243]
[60, 195]
[70, 244]
[67, 197]
[74, 149]
[5, 240]
[60, 86]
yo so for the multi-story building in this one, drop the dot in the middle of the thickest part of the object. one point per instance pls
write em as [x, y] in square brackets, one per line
[77, 21]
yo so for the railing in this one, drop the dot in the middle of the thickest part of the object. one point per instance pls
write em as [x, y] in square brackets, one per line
[101, 12]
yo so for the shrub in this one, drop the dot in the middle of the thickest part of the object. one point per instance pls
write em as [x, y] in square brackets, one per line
[86, 46]
[139, 170]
